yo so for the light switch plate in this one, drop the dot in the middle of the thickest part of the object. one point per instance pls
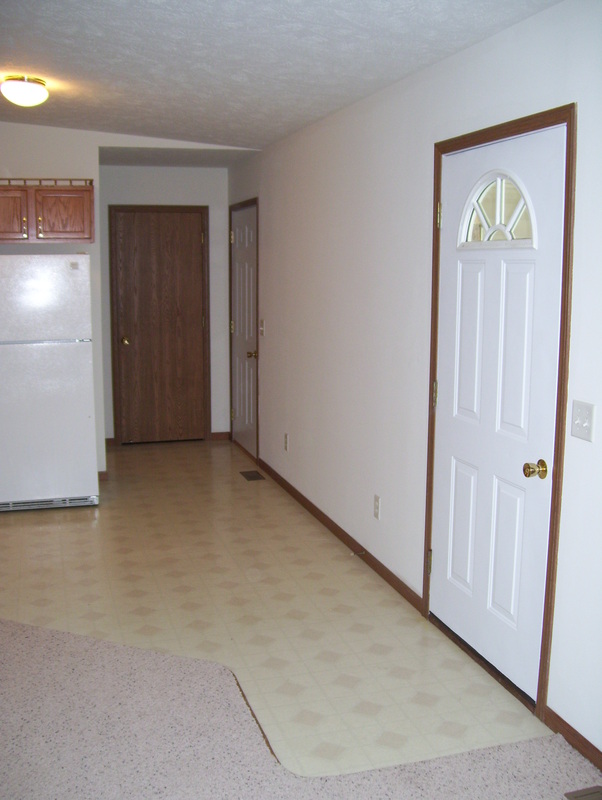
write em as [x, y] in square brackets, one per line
[376, 506]
[582, 421]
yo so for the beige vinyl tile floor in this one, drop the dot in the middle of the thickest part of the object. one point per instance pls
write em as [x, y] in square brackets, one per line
[186, 556]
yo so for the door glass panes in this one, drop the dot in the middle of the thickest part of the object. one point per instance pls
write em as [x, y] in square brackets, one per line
[497, 213]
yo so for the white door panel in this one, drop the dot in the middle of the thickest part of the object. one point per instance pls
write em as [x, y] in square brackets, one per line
[469, 345]
[462, 526]
[498, 339]
[515, 347]
[506, 550]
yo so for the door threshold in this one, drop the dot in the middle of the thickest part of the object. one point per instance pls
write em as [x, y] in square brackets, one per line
[524, 698]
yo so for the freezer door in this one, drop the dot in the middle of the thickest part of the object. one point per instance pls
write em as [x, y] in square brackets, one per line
[45, 297]
[47, 430]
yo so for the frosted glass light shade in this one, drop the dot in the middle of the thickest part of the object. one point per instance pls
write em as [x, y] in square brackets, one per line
[24, 91]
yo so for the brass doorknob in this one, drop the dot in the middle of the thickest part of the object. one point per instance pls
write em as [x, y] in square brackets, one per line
[252, 354]
[541, 469]
[125, 340]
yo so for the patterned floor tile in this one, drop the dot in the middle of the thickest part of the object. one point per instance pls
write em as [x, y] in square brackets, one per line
[183, 555]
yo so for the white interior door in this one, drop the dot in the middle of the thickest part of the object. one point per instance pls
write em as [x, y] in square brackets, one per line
[498, 340]
[243, 303]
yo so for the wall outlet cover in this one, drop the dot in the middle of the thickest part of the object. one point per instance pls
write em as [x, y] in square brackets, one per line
[582, 421]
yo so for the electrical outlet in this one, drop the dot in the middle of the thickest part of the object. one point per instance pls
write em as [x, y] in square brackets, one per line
[582, 421]
[377, 506]
[286, 442]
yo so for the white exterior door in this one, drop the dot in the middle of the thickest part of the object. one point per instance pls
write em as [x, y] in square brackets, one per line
[243, 303]
[498, 341]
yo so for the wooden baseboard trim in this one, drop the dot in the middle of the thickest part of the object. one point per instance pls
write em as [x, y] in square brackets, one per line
[245, 451]
[104, 475]
[573, 737]
[220, 436]
[396, 583]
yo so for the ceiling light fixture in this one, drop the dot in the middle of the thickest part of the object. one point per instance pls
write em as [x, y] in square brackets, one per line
[24, 91]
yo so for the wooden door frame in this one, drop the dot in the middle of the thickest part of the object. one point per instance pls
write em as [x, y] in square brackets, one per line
[564, 115]
[204, 213]
[252, 202]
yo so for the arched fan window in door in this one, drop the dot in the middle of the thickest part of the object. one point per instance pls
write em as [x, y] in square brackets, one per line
[497, 212]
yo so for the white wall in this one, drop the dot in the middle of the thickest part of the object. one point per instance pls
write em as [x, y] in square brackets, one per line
[345, 287]
[176, 186]
[33, 151]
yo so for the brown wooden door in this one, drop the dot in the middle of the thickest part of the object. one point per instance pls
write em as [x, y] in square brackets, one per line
[159, 298]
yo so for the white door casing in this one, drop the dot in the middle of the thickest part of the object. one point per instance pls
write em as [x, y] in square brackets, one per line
[497, 351]
[243, 303]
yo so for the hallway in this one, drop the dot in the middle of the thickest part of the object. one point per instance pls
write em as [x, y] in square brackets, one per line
[185, 555]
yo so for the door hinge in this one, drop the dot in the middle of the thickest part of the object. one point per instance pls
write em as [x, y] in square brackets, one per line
[231, 326]
[439, 215]
[202, 237]
[429, 561]
[435, 392]
[231, 237]
[232, 414]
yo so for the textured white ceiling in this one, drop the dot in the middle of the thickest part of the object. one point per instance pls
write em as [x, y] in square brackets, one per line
[231, 72]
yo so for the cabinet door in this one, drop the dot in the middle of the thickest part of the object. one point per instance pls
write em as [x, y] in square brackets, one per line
[63, 213]
[13, 213]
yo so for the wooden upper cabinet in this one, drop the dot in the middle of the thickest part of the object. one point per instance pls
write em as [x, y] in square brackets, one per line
[46, 211]
[63, 213]
[14, 214]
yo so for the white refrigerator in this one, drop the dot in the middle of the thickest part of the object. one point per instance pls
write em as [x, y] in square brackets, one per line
[47, 427]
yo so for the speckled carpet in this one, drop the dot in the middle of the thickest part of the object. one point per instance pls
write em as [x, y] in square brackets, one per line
[90, 720]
